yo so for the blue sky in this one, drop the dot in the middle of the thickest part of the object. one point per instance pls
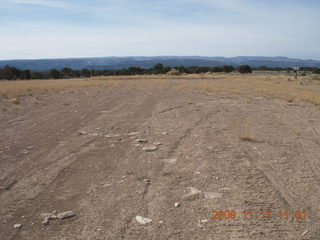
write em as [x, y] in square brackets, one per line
[32, 29]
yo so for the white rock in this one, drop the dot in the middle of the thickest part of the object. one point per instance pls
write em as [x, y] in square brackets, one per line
[17, 225]
[170, 160]
[82, 132]
[212, 195]
[150, 148]
[192, 194]
[305, 233]
[176, 204]
[111, 135]
[143, 220]
[204, 221]
[65, 215]
[158, 143]
[132, 134]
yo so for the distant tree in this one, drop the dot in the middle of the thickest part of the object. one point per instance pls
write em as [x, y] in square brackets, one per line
[245, 69]
[316, 71]
[67, 73]
[25, 75]
[54, 74]
[85, 73]
[158, 69]
[10, 73]
[135, 70]
[228, 68]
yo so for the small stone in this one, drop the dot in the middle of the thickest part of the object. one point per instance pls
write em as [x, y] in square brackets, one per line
[158, 143]
[217, 178]
[176, 204]
[45, 221]
[143, 220]
[112, 135]
[204, 221]
[193, 194]
[17, 225]
[65, 215]
[141, 140]
[54, 212]
[150, 148]
[305, 233]
[53, 217]
[212, 195]
[82, 132]
[132, 134]
[170, 160]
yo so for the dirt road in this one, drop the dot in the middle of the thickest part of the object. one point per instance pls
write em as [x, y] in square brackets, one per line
[78, 151]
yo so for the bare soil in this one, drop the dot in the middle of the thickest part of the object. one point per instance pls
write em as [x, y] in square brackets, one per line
[242, 152]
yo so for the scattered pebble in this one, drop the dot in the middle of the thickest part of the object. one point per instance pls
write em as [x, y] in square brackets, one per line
[212, 195]
[65, 215]
[204, 221]
[17, 225]
[305, 233]
[111, 135]
[150, 148]
[176, 204]
[170, 160]
[82, 132]
[143, 220]
[141, 140]
[193, 194]
[158, 143]
[132, 134]
[217, 178]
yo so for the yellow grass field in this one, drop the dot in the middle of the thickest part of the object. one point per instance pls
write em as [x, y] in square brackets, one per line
[275, 86]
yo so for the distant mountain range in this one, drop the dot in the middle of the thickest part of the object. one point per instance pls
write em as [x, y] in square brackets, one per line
[109, 63]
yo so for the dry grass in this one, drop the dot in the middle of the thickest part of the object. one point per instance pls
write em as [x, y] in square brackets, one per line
[275, 86]
[16, 89]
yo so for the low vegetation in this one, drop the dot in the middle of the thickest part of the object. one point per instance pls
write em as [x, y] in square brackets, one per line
[12, 73]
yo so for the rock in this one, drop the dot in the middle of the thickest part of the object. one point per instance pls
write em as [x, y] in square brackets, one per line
[65, 215]
[176, 204]
[132, 134]
[204, 221]
[112, 135]
[150, 148]
[212, 195]
[18, 225]
[141, 140]
[158, 143]
[170, 160]
[143, 220]
[53, 217]
[45, 221]
[305, 233]
[192, 194]
[82, 132]
[45, 215]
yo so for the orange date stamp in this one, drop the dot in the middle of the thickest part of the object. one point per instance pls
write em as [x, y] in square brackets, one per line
[259, 215]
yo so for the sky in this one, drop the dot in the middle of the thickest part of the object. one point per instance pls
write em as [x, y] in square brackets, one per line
[33, 29]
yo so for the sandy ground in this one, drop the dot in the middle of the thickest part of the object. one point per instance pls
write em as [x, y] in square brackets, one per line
[243, 153]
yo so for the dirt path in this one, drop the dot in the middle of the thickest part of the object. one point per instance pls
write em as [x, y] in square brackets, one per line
[242, 153]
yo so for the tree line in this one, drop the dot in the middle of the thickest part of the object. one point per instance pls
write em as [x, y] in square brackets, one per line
[12, 73]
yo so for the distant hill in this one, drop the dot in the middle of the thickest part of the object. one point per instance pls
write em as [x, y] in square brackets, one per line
[109, 63]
